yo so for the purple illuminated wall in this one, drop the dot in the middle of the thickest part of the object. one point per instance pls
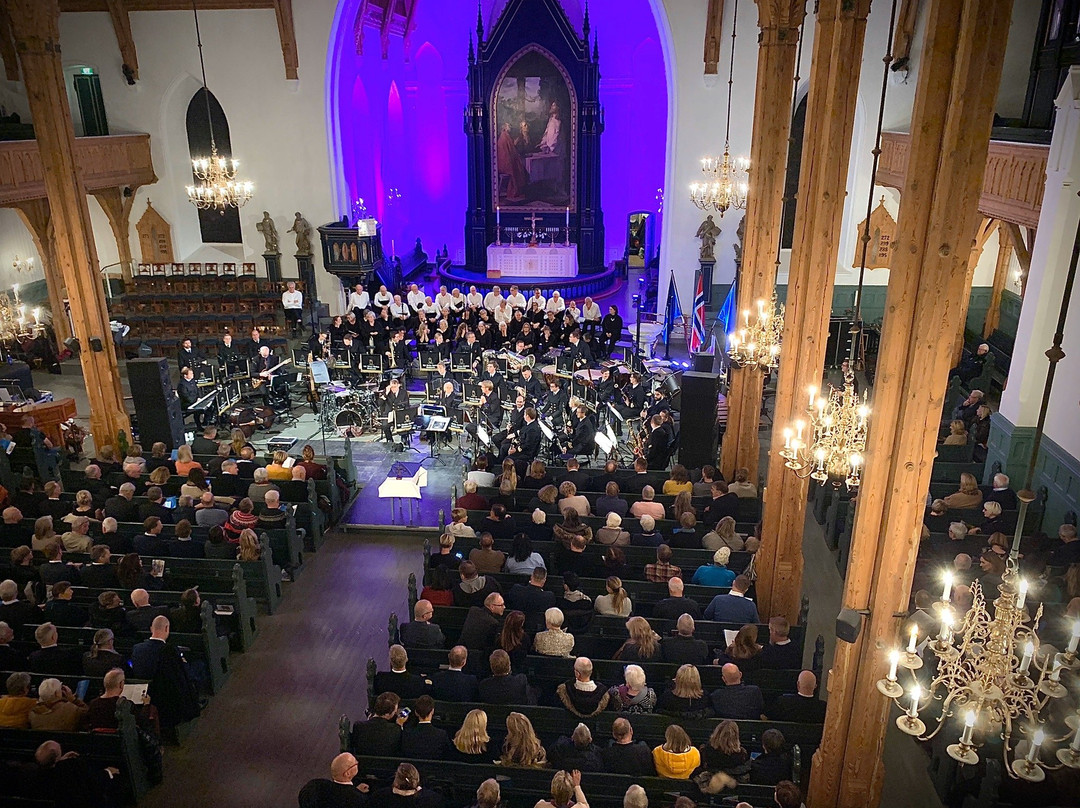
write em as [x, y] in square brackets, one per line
[397, 124]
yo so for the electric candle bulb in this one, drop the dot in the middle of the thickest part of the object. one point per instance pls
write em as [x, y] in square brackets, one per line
[916, 694]
[1025, 661]
[894, 660]
[946, 626]
[787, 438]
[913, 640]
[1074, 640]
[1075, 745]
[947, 589]
[1055, 674]
[969, 726]
[813, 392]
[1036, 742]
[1023, 594]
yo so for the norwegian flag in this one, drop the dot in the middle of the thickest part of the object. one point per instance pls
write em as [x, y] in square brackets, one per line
[697, 334]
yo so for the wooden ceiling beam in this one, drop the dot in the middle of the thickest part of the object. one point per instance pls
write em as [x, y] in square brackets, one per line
[713, 25]
[7, 47]
[384, 34]
[118, 11]
[165, 5]
[287, 31]
[905, 33]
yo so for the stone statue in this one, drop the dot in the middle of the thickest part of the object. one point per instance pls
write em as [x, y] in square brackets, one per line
[269, 232]
[303, 234]
[738, 245]
[708, 233]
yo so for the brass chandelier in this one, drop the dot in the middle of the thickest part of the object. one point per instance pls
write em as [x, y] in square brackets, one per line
[726, 177]
[993, 672]
[218, 186]
[830, 444]
[757, 344]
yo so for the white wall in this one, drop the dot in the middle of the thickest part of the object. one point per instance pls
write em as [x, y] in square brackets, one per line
[15, 240]
[1018, 52]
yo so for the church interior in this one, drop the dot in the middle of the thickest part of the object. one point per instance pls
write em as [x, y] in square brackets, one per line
[613, 403]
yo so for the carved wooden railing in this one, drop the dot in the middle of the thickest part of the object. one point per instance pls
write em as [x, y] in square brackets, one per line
[103, 162]
[1012, 186]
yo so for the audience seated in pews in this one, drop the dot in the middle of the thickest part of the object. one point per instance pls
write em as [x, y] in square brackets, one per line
[59, 609]
[445, 557]
[643, 644]
[676, 757]
[648, 536]
[458, 526]
[802, 706]
[634, 695]
[470, 742]
[646, 506]
[683, 648]
[339, 791]
[380, 734]
[736, 699]
[575, 752]
[742, 651]
[734, 606]
[583, 696]
[717, 573]
[503, 687]
[422, 739]
[662, 569]
[16, 705]
[50, 657]
[615, 601]
[453, 684]
[724, 535]
[522, 748]
[532, 599]
[57, 708]
[623, 755]
[421, 632]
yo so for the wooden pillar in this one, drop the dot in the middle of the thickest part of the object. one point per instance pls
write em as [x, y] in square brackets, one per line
[1023, 252]
[985, 230]
[830, 115]
[117, 209]
[35, 25]
[777, 49]
[959, 72]
[1001, 277]
[36, 216]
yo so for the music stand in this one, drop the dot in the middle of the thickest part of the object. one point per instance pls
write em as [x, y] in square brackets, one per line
[401, 425]
[461, 362]
[564, 367]
[605, 443]
[371, 364]
[429, 358]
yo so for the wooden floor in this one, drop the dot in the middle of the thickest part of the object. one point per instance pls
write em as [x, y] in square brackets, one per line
[273, 726]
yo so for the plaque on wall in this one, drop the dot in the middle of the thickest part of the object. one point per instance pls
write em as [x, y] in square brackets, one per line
[155, 237]
[882, 233]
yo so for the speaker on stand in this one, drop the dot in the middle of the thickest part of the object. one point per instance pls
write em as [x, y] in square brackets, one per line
[157, 408]
[698, 430]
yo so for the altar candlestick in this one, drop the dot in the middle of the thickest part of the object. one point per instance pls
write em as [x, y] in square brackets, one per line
[567, 217]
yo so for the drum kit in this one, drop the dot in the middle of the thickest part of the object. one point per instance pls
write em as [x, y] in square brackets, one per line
[351, 411]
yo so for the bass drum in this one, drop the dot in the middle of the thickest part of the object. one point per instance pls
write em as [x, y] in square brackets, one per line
[349, 422]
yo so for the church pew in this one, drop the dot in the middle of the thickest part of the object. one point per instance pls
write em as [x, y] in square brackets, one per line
[119, 750]
[206, 645]
[95, 686]
[630, 524]
[686, 558]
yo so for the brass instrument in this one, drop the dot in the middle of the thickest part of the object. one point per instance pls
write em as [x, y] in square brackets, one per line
[636, 442]
[516, 362]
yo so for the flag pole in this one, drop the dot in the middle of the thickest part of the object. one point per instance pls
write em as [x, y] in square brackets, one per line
[673, 292]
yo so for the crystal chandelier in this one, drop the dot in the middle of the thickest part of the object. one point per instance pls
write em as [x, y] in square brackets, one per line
[757, 344]
[992, 672]
[22, 265]
[218, 186]
[726, 177]
[831, 445]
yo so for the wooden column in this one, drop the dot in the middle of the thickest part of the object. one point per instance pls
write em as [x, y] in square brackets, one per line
[36, 216]
[830, 116]
[35, 25]
[777, 46]
[1001, 277]
[117, 209]
[959, 72]
[985, 230]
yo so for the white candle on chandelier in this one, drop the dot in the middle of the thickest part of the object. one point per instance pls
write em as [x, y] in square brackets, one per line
[913, 639]
[1022, 597]
[16, 289]
[746, 317]
[946, 590]
[37, 316]
[813, 392]
[945, 634]
[916, 694]
[787, 438]
[969, 726]
[1075, 745]
[1055, 674]
[1036, 742]
[799, 426]
[1074, 639]
[1025, 660]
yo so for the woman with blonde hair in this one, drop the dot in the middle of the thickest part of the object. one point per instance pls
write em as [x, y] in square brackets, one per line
[643, 645]
[677, 757]
[250, 549]
[84, 505]
[237, 441]
[277, 470]
[685, 698]
[159, 476]
[522, 747]
[184, 461]
[969, 495]
[724, 751]
[565, 792]
[44, 535]
[457, 527]
[508, 477]
[724, 536]
[958, 435]
[682, 505]
[570, 499]
[470, 742]
[616, 602]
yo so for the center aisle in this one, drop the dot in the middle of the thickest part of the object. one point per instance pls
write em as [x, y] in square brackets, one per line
[274, 725]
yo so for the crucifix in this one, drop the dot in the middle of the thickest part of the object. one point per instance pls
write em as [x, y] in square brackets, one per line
[533, 220]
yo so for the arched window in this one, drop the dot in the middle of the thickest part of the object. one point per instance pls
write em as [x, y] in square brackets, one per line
[791, 182]
[216, 227]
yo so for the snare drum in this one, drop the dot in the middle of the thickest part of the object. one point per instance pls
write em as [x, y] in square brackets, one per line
[587, 377]
[549, 374]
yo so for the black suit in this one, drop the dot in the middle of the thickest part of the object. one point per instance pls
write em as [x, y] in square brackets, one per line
[510, 689]
[171, 687]
[424, 741]
[740, 702]
[149, 545]
[406, 685]
[480, 630]
[20, 613]
[584, 439]
[55, 508]
[787, 657]
[53, 571]
[717, 509]
[634, 759]
[421, 635]
[376, 736]
[141, 618]
[11, 659]
[799, 709]
[148, 509]
[57, 661]
[451, 685]
[533, 601]
[188, 359]
[581, 480]
[100, 576]
[673, 608]
[656, 449]
[685, 650]
[530, 442]
[122, 509]
[64, 613]
[580, 355]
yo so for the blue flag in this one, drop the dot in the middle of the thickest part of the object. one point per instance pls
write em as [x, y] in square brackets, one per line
[674, 308]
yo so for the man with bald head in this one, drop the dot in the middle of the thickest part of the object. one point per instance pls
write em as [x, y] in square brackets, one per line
[208, 513]
[142, 616]
[736, 700]
[67, 778]
[684, 648]
[338, 791]
[803, 706]
[421, 632]
[172, 688]
[675, 603]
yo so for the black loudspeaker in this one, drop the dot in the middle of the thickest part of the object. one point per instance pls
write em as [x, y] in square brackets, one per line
[848, 625]
[703, 362]
[156, 406]
[697, 429]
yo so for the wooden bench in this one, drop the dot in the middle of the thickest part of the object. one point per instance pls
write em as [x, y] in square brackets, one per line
[118, 749]
[630, 524]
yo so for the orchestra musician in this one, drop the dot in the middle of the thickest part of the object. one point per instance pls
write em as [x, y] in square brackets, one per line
[448, 398]
[556, 404]
[658, 405]
[583, 437]
[347, 359]
[491, 374]
[529, 441]
[255, 345]
[442, 377]
[275, 385]
[318, 346]
[529, 385]
[397, 354]
[504, 438]
[441, 346]
[188, 391]
[580, 353]
[656, 445]
[394, 398]
[188, 356]
[611, 328]
[632, 403]
[605, 388]
[229, 355]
